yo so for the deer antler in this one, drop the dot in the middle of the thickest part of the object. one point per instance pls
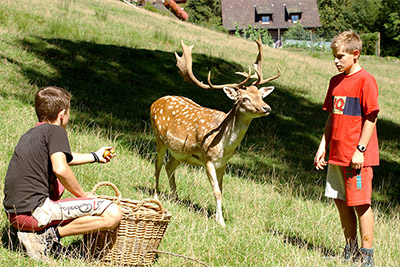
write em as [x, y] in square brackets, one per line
[184, 65]
[258, 68]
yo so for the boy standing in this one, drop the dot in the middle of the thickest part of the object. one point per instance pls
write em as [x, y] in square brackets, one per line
[350, 130]
[37, 175]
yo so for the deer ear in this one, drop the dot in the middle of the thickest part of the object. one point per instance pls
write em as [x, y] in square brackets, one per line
[231, 93]
[266, 90]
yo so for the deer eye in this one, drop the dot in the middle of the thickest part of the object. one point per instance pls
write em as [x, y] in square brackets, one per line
[245, 99]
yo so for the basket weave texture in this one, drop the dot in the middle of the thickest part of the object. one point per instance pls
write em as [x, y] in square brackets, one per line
[138, 235]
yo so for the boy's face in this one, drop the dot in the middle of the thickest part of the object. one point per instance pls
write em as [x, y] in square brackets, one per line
[344, 61]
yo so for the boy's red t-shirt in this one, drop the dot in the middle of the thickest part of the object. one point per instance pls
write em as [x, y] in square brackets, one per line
[350, 98]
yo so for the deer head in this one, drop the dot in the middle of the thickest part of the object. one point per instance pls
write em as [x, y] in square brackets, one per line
[248, 100]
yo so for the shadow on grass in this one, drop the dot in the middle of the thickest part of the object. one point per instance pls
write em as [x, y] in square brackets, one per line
[9, 238]
[75, 250]
[303, 244]
[207, 212]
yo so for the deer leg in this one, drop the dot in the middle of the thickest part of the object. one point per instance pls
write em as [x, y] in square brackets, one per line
[220, 175]
[212, 177]
[171, 167]
[161, 150]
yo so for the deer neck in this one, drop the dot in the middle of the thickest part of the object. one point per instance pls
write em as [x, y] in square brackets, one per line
[231, 130]
[236, 126]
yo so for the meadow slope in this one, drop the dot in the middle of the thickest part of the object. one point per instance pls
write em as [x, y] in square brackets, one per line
[116, 60]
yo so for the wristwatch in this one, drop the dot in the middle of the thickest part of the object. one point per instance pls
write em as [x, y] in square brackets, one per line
[361, 148]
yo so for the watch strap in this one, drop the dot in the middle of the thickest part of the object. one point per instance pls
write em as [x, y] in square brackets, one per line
[361, 148]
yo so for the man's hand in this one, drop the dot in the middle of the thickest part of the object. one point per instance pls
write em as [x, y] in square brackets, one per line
[357, 161]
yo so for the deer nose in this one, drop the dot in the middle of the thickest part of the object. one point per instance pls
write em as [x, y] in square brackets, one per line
[266, 109]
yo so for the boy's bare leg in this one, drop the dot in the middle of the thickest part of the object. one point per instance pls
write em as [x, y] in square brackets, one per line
[366, 220]
[348, 220]
[108, 220]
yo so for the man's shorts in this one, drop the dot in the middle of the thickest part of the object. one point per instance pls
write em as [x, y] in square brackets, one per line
[348, 184]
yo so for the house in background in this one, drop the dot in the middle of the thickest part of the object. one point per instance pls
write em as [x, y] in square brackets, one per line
[274, 15]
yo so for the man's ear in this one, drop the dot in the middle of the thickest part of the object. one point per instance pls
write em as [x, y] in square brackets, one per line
[231, 93]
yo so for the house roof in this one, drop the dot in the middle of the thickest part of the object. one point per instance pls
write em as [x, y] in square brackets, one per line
[292, 9]
[242, 13]
[264, 9]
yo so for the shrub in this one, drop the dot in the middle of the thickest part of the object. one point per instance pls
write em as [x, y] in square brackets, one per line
[297, 32]
[252, 33]
[370, 41]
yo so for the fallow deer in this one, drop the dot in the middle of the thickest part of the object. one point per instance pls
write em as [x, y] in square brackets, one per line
[206, 137]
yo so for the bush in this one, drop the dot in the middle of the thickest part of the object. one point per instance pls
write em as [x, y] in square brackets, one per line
[252, 33]
[297, 32]
[370, 41]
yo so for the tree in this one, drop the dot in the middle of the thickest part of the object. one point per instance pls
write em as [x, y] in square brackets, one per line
[332, 17]
[204, 12]
[390, 28]
[366, 17]
[363, 15]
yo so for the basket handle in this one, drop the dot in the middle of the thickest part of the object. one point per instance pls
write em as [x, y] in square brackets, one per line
[160, 208]
[113, 186]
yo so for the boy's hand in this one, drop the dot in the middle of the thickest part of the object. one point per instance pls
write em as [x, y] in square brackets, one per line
[319, 159]
[105, 157]
[357, 160]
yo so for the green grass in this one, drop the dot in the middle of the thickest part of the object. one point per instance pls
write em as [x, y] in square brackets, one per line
[116, 60]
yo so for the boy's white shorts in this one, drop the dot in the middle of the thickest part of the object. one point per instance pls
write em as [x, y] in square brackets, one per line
[335, 186]
[69, 209]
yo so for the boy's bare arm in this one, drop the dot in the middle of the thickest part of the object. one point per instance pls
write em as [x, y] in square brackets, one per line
[83, 158]
[357, 160]
[319, 159]
[64, 173]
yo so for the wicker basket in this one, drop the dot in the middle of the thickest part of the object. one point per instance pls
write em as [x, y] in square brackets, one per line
[136, 239]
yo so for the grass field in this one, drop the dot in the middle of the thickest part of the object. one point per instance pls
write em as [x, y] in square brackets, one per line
[116, 60]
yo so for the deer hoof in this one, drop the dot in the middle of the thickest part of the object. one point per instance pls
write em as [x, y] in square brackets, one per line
[174, 196]
[222, 223]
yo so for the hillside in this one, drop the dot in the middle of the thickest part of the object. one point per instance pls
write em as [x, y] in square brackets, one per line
[116, 60]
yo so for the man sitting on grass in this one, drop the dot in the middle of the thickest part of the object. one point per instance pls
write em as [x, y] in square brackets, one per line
[37, 175]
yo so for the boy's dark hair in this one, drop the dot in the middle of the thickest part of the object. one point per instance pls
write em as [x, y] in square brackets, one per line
[348, 40]
[49, 101]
